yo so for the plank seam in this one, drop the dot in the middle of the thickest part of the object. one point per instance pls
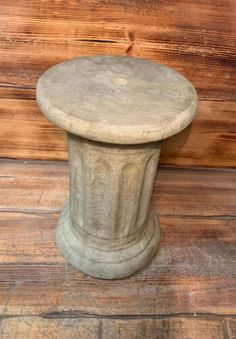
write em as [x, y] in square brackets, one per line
[81, 315]
[182, 216]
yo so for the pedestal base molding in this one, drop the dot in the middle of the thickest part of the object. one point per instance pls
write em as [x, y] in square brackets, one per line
[107, 264]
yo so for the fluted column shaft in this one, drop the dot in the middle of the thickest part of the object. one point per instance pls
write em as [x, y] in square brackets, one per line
[110, 190]
[109, 208]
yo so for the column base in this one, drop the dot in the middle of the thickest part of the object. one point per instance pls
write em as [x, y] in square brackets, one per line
[107, 263]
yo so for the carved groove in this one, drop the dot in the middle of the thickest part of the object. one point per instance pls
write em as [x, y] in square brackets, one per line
[111, 189]
[147, 188]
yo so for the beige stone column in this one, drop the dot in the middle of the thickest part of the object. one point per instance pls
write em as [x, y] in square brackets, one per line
[116, 111]
[109, 229]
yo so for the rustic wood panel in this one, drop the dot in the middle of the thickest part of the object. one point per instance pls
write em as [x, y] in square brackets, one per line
[209, 141]
[193, 266]
[195, 192]
[87, 328]
[37, 328]
[198, 38]
[166, 328]
[27, 238]
[33, 186]
[27, 186]
[187, 291]
[192, 272]
[26, 133]
[193, 275]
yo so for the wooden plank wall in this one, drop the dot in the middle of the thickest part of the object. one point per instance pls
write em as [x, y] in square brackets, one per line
[187, 291]
[197, 37]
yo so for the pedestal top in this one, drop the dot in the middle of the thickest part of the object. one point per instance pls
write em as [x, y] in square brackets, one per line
[116, 99]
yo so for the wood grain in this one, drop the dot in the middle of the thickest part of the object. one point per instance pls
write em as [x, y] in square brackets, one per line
[191, 281]
[87, 328]
[28, 186]
[192, 272]
[209, 141]
[35, 327]
[187, 291]
[198, 38]
[164, 328]
[195, 192]
[26, 134]
[27, 238]
[193, 266]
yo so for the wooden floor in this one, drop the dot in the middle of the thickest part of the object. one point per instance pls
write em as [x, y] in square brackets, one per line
[187, 291]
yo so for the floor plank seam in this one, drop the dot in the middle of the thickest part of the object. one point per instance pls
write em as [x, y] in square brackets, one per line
[31, 211]
[82, 315]
[174, 215]
[64, 163]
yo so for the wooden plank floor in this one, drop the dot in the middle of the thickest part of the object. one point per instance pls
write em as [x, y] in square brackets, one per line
[187, 291]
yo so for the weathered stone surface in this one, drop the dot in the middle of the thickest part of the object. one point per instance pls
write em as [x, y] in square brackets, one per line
[117, 100]
[115, 110]
[111, 230]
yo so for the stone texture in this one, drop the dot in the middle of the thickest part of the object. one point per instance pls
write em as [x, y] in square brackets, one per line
[115, 110]
[117, 100]
[112, 231]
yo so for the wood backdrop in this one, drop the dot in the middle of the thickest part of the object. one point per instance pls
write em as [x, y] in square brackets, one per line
[187, 291]
[197, 37]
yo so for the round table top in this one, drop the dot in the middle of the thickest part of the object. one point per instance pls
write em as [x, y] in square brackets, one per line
[116, 99]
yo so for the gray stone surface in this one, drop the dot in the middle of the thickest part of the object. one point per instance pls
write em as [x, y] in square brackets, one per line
[115, 110]
[117, 99]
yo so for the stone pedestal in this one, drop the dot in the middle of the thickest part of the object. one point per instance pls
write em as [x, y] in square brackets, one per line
[116, 111]
[108, 229]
